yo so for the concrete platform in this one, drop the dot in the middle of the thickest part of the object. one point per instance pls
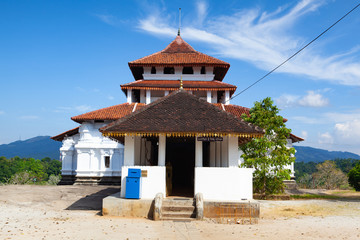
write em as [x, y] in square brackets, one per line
[241, 212]
[115, 206]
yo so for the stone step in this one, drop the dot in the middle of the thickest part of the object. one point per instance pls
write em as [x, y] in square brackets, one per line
[178, 219]
[177, 215]
[173, 208]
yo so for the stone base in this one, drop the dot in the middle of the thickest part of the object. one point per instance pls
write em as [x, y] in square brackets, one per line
[115, 206]
[242, 212]
[290, 184]
[73, 180]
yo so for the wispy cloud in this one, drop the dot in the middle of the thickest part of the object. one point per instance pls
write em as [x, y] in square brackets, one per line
[108, 19]
[80, 108]
[2, 112]
[311, 99]
[264, 39]
[29, 117]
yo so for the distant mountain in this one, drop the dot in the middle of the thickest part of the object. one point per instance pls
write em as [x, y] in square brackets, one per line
[37, 147]
[309, 154]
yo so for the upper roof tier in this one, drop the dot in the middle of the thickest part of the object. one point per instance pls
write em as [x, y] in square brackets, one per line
[179, 54]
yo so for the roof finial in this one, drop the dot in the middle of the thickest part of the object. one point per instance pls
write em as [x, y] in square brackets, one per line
[181, 83]
[179, 21]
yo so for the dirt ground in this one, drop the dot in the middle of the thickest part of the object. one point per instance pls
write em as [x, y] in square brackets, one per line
[74, 212]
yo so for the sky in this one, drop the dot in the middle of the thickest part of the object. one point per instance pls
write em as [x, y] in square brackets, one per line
[59, 59]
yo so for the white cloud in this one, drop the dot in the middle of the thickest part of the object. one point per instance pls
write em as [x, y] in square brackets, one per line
[2, 112]
[311, 99]
[29, 117]
[264, 39]
[83, 108]
[110, 97]
[304, 134]
[306, 120]
[348, 131]
[326, 138]
[108, 19]
[80, 108]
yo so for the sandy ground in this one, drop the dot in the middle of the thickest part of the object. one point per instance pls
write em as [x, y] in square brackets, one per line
[73, 212]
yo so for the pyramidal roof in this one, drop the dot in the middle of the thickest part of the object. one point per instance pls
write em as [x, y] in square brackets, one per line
[179, 53]
[181, 112]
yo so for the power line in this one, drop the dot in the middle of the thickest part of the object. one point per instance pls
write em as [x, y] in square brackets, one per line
[273, 70]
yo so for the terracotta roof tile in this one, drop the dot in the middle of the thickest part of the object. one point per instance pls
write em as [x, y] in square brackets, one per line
[180, 53]
[109, 113]
[68, 133]
[181, 112]
[175, 84]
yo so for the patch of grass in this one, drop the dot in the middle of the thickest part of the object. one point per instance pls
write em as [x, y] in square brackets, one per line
[314, 196]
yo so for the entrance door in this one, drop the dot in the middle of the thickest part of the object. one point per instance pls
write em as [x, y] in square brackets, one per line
[180, 160]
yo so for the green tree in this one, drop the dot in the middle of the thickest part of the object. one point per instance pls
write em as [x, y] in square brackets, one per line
[354, 177]
[329, 176]
[269, 154]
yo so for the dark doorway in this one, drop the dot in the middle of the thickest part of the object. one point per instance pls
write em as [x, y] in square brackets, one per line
[180, 162]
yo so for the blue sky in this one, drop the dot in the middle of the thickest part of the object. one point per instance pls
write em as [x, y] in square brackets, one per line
[59, 59]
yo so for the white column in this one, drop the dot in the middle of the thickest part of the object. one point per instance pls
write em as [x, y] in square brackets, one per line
[208, 96]
[212, 154]
[224, 152]
[162, 150]
[198, 153]
[178, 70]
[233, 152]
[166, 92]
[148, 96]
[197, 70]
[129, 96]
[227, 97]
[218, 154]
[129, 151]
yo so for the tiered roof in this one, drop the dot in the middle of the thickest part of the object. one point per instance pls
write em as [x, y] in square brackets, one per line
[179, 53]
[173, 85]
[181, 114]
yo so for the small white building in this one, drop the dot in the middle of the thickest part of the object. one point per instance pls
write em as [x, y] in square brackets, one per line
[178, 126]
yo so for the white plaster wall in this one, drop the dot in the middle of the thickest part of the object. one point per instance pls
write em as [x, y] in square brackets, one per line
[224, 184]
[154, 183]
[83, 154]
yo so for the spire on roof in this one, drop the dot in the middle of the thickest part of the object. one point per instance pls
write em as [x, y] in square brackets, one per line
[179, 21]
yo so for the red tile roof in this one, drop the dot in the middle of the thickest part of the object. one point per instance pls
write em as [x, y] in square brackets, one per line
[175, 84]
[68, 133]
[181, 112]
[179, 53]
[109, 113]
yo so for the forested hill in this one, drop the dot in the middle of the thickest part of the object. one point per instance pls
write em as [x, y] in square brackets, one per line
[37, 147]
[309, 154]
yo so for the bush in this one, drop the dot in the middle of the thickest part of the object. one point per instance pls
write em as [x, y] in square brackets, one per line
[54, 179]
[329, 176]
[354, 177]
[24, 177]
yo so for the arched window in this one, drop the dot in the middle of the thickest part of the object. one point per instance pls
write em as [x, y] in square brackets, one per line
[188, 70]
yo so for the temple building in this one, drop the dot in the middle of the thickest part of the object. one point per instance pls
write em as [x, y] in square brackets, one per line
[177, 126]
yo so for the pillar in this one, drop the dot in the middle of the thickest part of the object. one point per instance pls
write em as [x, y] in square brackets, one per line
[227, 97]
[162, 150]
[129, 151]
[208, 96]
[148, 96]
[233, 152]
[198, 153]
[166, 92]
[129, 96]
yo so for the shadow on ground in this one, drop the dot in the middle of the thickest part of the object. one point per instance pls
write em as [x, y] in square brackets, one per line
[93, 201]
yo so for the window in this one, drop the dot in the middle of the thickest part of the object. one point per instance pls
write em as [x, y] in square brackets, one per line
[107, 161]
[203, 70]
[153, 70]
[188, 70]
[169, 70]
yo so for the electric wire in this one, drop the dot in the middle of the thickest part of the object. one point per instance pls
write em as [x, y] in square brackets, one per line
[296, 53]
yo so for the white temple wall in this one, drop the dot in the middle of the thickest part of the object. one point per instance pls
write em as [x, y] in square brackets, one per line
[84, 153]
[153, 183]
[224, 184]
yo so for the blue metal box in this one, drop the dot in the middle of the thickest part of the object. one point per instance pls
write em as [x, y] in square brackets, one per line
[134, 172]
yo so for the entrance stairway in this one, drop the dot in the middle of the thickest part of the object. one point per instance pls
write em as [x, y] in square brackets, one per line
[178, 209]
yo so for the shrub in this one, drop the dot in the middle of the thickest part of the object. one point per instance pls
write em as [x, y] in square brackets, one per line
[54, 179]
[354, 177]
[24, 177]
